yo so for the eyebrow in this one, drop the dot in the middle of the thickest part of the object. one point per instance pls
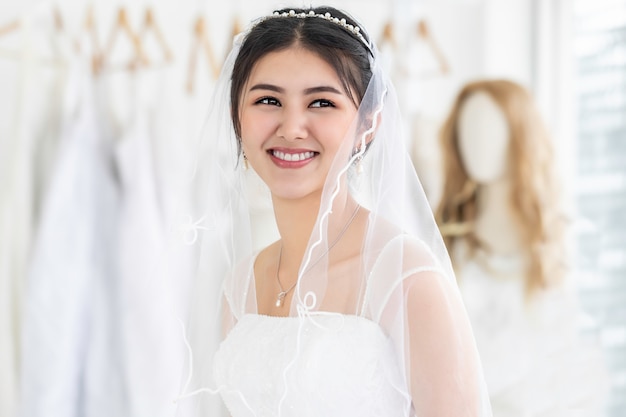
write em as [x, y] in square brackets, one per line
[311, 90]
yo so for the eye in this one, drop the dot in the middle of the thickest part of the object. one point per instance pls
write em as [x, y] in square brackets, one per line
[271, 101]
[322, 103]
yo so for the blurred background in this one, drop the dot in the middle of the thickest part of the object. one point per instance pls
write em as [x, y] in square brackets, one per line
[101, 102]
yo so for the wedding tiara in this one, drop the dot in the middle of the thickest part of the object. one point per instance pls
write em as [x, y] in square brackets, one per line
[355, 30]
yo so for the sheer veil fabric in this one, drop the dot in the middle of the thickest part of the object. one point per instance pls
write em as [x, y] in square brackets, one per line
[401, 279]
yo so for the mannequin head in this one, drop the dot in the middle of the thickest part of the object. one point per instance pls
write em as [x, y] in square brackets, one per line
[483, 138]
[494, 132]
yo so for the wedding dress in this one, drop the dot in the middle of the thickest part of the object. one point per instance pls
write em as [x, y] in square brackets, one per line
[536, 363]
[345, 367]
[35, 75]
[16, 143]
[320, 363]
[314, 364]
[148, 292]
[70, 365]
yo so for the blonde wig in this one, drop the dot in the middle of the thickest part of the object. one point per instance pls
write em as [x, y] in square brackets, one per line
[534, 193]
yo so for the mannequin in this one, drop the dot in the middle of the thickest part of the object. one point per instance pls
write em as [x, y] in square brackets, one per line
[500, 190]
[501, 219]
[484, 145]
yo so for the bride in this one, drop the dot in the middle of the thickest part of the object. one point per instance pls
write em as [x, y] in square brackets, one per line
[353, 310]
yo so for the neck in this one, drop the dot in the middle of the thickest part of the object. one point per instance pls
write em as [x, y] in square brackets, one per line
[496, 225]
[296, 219]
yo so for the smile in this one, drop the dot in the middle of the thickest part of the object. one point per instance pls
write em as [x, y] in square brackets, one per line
[292, 157]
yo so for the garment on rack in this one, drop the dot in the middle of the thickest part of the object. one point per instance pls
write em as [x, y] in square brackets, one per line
[27, 156]
[15, 216]
[69, 362]
[148, 290]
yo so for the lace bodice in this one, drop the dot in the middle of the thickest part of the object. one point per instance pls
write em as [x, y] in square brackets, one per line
[321, 365]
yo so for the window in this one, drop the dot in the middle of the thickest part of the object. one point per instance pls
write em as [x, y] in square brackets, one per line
[600, 80]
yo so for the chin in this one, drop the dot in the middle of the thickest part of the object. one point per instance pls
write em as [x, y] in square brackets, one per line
[295, 192]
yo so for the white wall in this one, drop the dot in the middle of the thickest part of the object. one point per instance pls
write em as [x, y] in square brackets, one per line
[507, 39]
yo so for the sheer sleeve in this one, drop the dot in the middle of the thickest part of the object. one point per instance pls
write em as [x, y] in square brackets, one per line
[441, 357]
[423, 313]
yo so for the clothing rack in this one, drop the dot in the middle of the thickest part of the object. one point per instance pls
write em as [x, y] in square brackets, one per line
[201, 41]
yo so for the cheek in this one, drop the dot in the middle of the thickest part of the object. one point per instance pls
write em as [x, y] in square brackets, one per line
[256, 127]
[340, 135]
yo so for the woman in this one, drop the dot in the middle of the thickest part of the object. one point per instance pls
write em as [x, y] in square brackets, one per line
[353, 311]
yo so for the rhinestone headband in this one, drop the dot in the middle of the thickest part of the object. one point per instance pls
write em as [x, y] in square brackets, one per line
[355, 30]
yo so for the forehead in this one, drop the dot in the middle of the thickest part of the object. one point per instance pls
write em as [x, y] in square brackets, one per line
[294, 67]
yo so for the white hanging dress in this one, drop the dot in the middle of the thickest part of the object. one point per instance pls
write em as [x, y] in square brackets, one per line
[150, 290]
[27, 155]
[15, 220]
[67, 300]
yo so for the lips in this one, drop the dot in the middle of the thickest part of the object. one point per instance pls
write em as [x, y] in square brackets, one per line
[292, 158]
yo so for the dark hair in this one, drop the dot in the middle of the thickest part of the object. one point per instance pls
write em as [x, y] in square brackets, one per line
[344, 51]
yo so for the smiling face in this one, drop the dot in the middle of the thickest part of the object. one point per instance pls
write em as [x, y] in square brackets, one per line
[294, 117]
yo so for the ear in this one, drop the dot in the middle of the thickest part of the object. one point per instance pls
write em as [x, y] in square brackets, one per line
[369, 127]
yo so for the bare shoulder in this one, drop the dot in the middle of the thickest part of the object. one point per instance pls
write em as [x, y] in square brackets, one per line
[264, 262]
[266, 256]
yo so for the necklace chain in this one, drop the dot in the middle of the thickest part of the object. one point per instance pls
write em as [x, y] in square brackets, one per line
[283, 293]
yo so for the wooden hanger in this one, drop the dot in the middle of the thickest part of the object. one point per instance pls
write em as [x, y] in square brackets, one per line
[6, 30]
[121, 25]
[89, 26]
[388, 36]
[150, 24]
[16, 25]
[58, 19]
[424, 32]
[60, 31]
[201, 43]
[9, 28]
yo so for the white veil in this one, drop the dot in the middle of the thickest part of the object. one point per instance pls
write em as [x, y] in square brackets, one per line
[403, 280]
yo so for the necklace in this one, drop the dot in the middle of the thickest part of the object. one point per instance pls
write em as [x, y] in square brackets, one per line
[283, 293]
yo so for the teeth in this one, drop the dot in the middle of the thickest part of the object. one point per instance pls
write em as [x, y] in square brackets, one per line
[293, 156]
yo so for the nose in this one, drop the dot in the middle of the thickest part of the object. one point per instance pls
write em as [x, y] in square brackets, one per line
[293, 124]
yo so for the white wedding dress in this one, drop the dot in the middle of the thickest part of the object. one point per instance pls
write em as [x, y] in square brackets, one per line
[70, 366]
[148, 292]
[317, 363]
[322, 363]
[335, 365]
[534, 360]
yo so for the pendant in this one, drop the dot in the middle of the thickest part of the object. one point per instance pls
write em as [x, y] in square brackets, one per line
[279, 298]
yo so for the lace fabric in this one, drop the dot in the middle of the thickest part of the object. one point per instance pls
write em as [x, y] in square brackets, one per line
[344, 365]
